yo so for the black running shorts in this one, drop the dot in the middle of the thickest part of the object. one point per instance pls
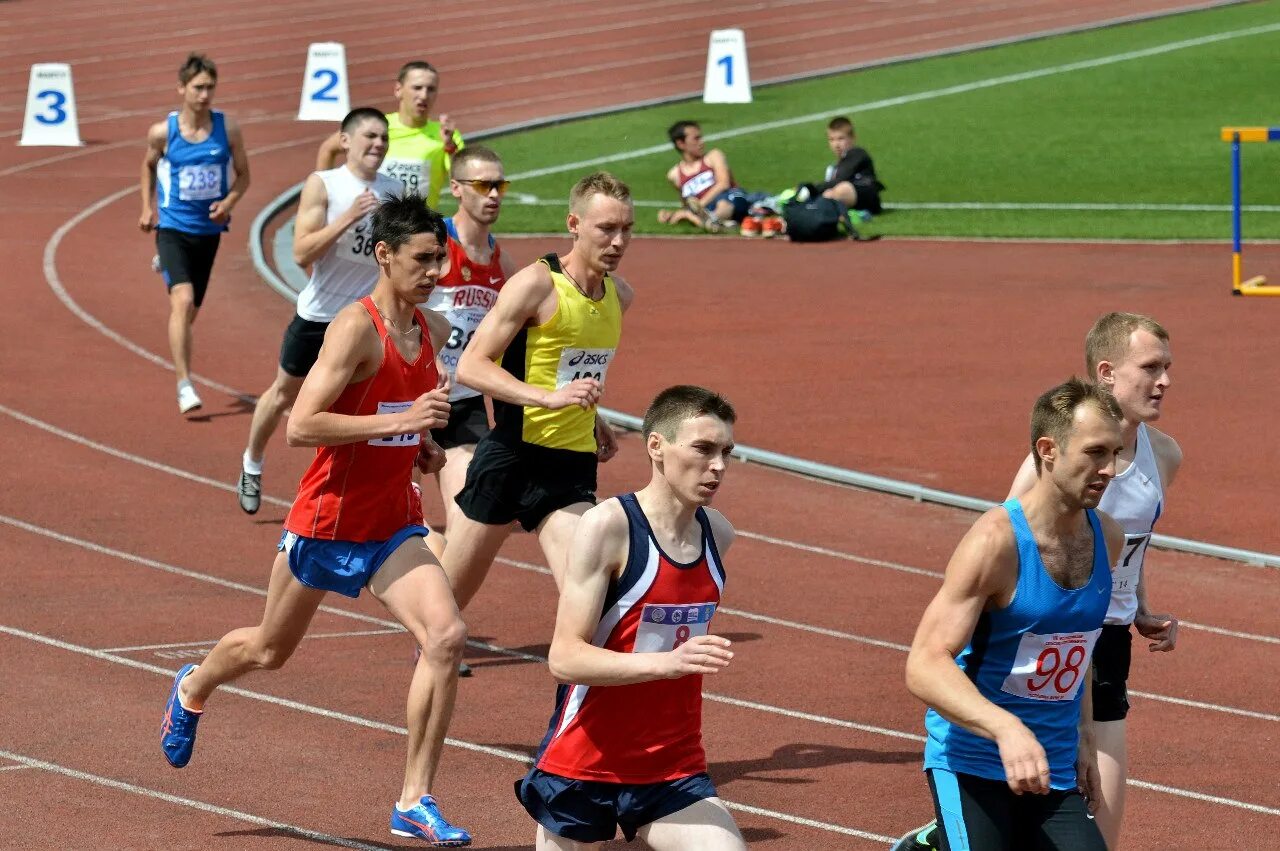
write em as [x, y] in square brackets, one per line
[187, 258]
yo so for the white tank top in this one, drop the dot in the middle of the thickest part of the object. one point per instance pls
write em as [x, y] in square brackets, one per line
[347, 271]
[1134, 499]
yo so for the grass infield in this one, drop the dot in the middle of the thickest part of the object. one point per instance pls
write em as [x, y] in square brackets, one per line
[1074, 119]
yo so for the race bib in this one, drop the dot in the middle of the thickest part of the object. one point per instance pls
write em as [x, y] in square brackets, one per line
[412, 173]
[200, 182]
[698, 184]
[396, 439]
[356, 243]
[666, 627]
[583, 363]
[1124, 576]
[1051, 667]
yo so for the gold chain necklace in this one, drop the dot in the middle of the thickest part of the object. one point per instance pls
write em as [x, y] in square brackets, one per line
[412, 327]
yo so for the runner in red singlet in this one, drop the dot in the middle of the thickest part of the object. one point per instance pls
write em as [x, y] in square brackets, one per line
[368, 404]
[711, 198]
[624, 747]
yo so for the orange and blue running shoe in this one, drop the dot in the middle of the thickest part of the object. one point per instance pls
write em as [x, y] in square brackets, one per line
[423, 821]
[178, 730]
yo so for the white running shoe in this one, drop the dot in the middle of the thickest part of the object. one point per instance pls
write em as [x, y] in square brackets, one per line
[187, 399]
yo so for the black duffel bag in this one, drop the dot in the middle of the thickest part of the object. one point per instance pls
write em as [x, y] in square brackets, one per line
[819, 220]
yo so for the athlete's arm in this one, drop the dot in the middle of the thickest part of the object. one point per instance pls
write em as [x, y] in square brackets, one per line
[720, 168]
[157, 138]
[352, 352]
[519, 304]
[313, 235]
[329, 152]
[220, 211]
[673, 177]
[983, 571]
[599, 552]
[1168, 456]
[1161, 628]
[721, 530]
[1024, 480]
[1088, 781]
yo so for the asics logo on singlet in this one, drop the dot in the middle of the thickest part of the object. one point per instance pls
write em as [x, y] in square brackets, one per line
[590, 359]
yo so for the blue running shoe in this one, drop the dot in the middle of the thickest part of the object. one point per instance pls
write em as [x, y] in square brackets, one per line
[178, 730]
[424, 821]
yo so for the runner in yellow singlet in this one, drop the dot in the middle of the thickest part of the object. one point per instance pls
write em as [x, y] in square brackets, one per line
[554, 328]
[419, 146]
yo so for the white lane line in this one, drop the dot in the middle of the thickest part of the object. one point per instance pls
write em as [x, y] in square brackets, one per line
[718, 698]
[494, 648]
[112, 783]
[931, 94]
[825, 551]
[309, 635]
[502, 753]
[13, 767]
[1211, 799]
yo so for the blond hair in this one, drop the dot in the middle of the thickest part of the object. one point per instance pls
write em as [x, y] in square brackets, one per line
[597, 183]
[1108, 339]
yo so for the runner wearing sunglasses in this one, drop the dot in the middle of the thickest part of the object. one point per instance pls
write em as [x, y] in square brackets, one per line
[474, 273]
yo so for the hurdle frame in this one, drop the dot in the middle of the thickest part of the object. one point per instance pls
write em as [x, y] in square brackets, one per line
[1256, 285]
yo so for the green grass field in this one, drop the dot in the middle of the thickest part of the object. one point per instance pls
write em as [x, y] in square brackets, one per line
[1075, 119]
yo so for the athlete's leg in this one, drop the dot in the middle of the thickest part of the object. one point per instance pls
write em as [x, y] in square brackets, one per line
[1113, 768]
[705, 825]
[413, 587]
[1063, 824]
[290, 607]
[451, 478]
[973, 813]
[555, 535]
[271, 406]
[469, 553]
[548, 841]
[844, 193]
[182, 313]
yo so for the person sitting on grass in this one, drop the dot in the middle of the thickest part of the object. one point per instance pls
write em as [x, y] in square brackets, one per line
[851, 179]
[709, 196]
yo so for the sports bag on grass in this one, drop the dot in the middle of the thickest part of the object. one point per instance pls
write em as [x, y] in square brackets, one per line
[819, 220]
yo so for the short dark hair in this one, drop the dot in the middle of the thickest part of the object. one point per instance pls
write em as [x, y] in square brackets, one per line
[470, 154]
[197, 63]
[1055, 410]
[402, 217]
[676, 131]
[417, 65]
[359, 115]
[683, 402]
[840, 124]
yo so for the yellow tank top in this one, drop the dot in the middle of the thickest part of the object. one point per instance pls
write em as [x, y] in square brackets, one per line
[578, 341]
[416, 157]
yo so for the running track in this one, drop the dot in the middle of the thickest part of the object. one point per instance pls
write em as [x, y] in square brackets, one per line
[114, 498]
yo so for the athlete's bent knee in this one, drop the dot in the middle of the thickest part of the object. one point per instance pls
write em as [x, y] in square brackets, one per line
[444, 642]
[271, 657]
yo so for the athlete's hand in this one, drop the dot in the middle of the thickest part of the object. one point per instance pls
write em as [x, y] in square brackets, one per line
[147, 221]
[443, 382]
[1088, 780]
[220, 211]
[606, 440]
[1026, 768]
[1162, 629]
[447, 129]
[583, 392]
[431, 457]
[429, 411]
[366, 202]
[702, 654]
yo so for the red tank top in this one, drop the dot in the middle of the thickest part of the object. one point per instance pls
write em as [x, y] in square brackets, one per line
[363, 491]
[698, 183]
[464, 296]
[644, 732]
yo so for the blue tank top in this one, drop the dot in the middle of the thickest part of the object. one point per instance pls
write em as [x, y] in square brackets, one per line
[1030, 658]
[191, 176]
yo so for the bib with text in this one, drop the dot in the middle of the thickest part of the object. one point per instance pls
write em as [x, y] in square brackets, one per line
[666, 627]
[1051, 667]
[396, 439]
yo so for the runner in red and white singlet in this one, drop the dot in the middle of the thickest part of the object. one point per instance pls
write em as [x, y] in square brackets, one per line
[631, 646]
[369, 403]
[709, 195]
[651, 731]
[362, 491]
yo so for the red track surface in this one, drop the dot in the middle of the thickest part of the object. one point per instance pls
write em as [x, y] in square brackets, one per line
[883, 390]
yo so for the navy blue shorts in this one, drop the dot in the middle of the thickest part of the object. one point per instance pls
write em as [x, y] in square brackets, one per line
[342, 566]
[592, 811]
[741, 199]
